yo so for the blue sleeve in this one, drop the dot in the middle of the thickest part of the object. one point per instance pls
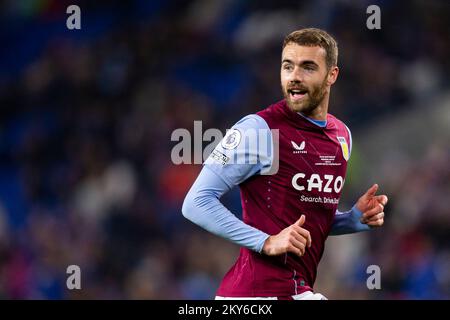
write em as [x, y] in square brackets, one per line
[348, 222]
[245, 150]
[202, 207]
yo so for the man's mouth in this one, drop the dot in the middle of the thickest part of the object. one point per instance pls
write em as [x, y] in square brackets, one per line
[297, 94]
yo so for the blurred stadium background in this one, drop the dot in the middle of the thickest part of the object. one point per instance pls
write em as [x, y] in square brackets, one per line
[86, 118]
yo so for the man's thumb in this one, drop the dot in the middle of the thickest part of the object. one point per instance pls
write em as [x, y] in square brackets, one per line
[373, 189]
[301, 221]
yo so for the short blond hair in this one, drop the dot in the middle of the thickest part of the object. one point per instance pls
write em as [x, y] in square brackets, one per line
[315, 37]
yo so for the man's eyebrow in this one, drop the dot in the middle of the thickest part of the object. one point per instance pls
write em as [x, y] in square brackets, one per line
[302, 63]
[287, 60]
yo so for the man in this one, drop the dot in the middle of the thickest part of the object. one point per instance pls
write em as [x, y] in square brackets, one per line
[291, 191]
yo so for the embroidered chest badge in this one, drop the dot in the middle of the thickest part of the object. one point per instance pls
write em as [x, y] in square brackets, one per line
[344, 147]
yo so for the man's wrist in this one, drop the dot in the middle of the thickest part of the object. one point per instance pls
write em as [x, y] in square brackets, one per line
[265, 244]
[357, 215]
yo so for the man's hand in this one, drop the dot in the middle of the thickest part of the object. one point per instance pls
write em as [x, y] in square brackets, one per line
[372, 207]
[291, 239]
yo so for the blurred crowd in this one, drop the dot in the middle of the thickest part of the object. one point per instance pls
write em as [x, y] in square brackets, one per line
[86, 117]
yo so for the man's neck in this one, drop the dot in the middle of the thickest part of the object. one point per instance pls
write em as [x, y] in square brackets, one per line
[319, 113]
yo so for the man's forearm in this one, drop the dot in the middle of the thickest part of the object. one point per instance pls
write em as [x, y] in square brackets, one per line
[348, 222]
[202, 207]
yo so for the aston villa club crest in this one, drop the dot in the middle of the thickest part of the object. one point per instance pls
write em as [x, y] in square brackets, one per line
[344, 147]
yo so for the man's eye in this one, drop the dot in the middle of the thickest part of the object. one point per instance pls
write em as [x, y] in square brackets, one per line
[287, 67]
[309, 68]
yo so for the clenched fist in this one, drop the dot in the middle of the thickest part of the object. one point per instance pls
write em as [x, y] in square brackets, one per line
[293, 239]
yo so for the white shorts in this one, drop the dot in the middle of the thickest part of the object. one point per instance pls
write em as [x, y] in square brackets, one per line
[307, 295]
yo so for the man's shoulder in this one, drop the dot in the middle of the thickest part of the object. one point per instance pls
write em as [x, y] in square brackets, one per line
[331, 117]
[271, 112]
[251, 121]
[339, 123]
[261, 119]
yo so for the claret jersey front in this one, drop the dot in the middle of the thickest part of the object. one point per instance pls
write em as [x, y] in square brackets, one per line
[310, 164]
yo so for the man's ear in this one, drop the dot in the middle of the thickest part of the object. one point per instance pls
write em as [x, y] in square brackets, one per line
[332, 75]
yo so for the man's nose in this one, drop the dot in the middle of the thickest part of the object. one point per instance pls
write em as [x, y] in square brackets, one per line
[296, 75]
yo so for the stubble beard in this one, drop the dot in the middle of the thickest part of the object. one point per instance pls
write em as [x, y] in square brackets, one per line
[310, 102]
